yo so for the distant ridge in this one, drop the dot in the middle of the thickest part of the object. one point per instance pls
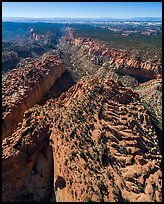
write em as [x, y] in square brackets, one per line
[63, 19]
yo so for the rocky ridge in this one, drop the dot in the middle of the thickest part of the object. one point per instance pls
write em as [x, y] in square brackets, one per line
[89, 56]
[104, 144]
[27, 162]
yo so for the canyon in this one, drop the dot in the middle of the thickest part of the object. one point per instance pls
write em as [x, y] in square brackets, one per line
[76, 128]
[123, 61]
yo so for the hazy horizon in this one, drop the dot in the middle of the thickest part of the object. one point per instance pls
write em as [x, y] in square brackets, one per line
[83, 17]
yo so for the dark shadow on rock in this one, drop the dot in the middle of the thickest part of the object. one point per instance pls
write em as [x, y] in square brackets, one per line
[60, 183]
[60, 86]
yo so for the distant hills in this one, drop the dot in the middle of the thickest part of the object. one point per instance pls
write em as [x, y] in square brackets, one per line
[64, 20]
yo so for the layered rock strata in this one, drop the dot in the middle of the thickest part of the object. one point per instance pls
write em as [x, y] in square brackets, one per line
[124, 62]
[151, 96]
[24, 87]
[89, 56]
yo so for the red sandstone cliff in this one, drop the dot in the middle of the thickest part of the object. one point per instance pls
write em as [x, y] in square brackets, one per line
[124, 62]
[25, 87]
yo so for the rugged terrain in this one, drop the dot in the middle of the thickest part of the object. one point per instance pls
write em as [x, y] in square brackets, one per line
[88, 56]
[22, 40]
[123, 61]
[24, 87]
[86, 127]
[104, 144]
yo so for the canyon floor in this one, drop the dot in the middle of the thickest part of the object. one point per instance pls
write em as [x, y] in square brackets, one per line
[82, 124]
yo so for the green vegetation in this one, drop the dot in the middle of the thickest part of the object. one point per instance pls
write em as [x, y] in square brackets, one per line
[88, 154]
[115, 192]
[11, 151]
[73, 153]
[108, 175]
[141, 188]
[101, 186]
[122, 150]
[146, 46]
[82, 155]
[89, 199]
[66, 161]
[17, 31]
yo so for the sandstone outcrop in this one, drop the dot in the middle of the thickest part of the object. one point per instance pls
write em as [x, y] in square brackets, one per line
[89, 56]
[24, 87]
[104, 144]
[27, 161]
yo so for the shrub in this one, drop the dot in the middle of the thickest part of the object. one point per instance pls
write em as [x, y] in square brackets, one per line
[108, 175]
[115, 192]
[141, 188]
[88, 154]
[89, 199]
[101, 186]
[73, 154]
[82, 155]
[65, 163]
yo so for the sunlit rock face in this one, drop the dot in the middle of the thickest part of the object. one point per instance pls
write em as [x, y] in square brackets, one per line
[123, 61]
[25, 87]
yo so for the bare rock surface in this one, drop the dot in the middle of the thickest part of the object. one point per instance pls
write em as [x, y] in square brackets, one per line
[24, 87]
[104, 147]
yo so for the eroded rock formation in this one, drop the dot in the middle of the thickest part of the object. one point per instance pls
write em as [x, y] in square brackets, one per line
[124, 62]
[104, 144]
[95, 142]
[27, 161]
[25, 87]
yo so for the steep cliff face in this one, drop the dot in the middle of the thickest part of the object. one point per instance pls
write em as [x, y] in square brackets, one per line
[25, 87]
[123, 61]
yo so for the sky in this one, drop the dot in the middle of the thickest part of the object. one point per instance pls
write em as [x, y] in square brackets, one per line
[82, 9]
